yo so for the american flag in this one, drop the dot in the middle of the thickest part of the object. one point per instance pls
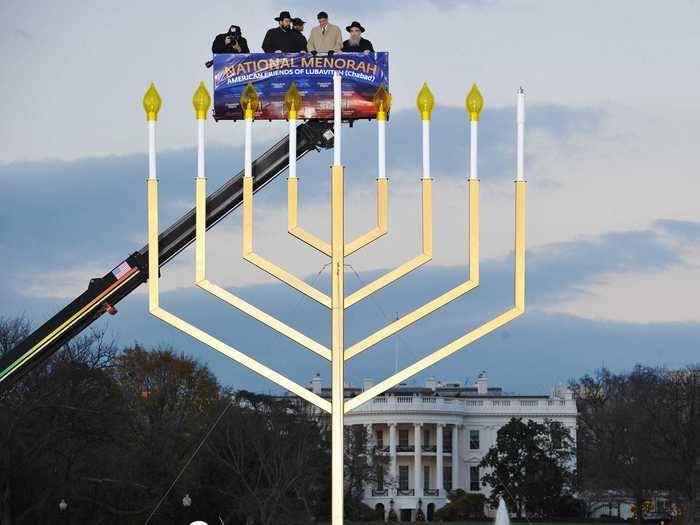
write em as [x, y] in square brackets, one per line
[121, 270]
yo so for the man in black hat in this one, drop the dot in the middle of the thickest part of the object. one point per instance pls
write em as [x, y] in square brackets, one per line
[298, 34]
[280, 39]
[357, 44]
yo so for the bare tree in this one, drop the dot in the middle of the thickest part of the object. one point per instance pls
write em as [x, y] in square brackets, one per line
[363, 467]
[677, 427]
[274, 455]
[53, 421]
[639, 434]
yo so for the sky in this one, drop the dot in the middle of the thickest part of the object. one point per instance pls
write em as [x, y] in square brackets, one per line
[613, 225]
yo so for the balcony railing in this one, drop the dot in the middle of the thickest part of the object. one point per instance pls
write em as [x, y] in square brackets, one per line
[380, 492]
[406, 448]
[431, 492]
[429, 448]
[507, 405]
[406, 492]
[381, 450]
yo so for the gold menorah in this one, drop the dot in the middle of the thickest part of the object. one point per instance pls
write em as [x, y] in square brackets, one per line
[336, 250]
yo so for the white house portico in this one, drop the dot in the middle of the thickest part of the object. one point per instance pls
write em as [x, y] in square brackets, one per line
[436, 435]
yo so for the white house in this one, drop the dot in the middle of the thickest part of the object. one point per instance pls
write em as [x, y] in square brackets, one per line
[436, 435]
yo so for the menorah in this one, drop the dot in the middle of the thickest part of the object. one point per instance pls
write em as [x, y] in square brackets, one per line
[336, 250]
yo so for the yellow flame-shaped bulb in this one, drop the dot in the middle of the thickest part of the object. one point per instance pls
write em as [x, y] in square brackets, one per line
[382, 101]
[475, 103]
[151, 102]
[425, 102]
[250, 101]
[201, 100]
[292, 101]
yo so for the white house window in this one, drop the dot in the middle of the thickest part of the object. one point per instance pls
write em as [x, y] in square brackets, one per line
[380, 478]
[403, 438]
[474, 479]
[380, 439]
[474, 440]
[426, 437]
[447, 477]
[426, 477]
[403, 477]
[447, 440]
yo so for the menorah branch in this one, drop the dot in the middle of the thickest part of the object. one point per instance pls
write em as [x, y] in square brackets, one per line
[264, 264]
[382, 219]
[293, 219]
[473, 335]
[228, 297]
[418, 261]
[196, 333]
[443, 299]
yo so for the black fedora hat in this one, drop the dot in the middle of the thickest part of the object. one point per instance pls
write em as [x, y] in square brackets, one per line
[297, 22]
[357, 25]
[283, 15]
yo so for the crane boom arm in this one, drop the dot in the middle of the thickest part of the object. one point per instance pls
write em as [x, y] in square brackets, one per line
[104, 292]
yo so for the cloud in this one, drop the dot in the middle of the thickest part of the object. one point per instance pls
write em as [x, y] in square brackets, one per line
[550, 347]
[365, 7]
[566, 267]
[66, 216]
[555, 346]
[686, 231]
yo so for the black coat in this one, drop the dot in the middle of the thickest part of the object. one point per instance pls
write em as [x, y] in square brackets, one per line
[365, 45]
[299, 42]
[280, 39]
[219, 45]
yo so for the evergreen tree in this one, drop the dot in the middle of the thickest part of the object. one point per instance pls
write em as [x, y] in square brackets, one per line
[530, 467]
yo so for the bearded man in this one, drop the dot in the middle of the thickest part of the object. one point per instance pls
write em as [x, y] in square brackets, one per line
[357, 44]
[280, 39]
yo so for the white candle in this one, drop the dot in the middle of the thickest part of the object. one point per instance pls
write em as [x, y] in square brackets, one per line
[248, 147]
[152, 149]
[292, 148]
[521, 135]
[200, 148]
[426, 149]
[337, 116]
[473, 148]
[381, 148]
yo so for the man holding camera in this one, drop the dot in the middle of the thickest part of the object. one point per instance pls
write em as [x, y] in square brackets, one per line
[230, 42]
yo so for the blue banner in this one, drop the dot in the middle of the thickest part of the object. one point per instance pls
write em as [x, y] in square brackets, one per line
[273, 73]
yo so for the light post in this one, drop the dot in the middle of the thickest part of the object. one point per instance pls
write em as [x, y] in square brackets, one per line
[187, 503]
[63, 507]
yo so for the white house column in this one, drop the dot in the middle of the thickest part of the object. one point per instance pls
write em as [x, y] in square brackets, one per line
[370, 451]
[392, 453]
[418, 456]
[455, 457]
[438, 459]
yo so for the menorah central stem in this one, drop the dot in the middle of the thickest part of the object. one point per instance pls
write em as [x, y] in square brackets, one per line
[338, 347]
